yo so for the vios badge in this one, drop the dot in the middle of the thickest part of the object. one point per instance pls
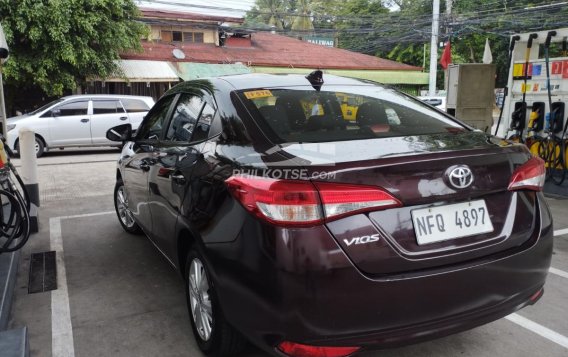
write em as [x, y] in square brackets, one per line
[459, 176]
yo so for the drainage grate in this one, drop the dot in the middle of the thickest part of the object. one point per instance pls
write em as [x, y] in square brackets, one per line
[43, 272]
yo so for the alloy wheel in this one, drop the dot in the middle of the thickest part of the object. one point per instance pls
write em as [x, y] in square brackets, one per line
[122, 207]
[200, 300]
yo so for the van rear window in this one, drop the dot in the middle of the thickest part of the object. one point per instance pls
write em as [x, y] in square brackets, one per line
[134, 105]
[433, 102]
[339, 113]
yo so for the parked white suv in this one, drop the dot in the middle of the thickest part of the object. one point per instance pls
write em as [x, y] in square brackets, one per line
[79, 120]
[438, 102]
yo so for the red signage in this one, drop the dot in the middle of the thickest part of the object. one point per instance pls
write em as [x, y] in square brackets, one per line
[565, 69]
[556, 68]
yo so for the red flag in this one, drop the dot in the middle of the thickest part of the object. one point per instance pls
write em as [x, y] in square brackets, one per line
[446, 58]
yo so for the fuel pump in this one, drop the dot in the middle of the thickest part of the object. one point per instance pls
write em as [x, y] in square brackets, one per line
[518, 121]
[536, 123]
[556, 120]
[15, 206]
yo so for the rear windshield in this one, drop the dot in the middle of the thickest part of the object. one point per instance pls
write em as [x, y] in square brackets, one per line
[339, 113]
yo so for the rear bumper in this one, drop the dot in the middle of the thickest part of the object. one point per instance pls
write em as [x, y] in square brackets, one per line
[419, 332]
[298, 285]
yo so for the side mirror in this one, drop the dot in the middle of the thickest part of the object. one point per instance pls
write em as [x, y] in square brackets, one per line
[120, 133]
[55, 112]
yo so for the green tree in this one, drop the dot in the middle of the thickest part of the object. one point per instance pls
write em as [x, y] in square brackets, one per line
[269, 12]
[302, 21]
[57, 44]
[357, 30]
[368, 26]
[416, 54]
[470, 24]
[325, 13]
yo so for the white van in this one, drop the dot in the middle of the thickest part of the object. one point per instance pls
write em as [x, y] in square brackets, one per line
[79, 120]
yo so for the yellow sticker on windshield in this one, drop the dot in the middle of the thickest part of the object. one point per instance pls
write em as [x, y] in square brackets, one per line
[258, 94]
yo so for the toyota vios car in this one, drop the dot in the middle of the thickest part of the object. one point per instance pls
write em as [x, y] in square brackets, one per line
[312, 235]
[78, 120]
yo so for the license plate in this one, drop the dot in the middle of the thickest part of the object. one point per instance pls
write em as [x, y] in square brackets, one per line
[436, 224]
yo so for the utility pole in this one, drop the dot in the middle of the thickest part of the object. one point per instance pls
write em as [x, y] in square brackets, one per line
[4, 52]
[434, 48]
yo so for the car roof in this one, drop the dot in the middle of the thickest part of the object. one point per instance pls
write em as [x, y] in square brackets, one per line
[101, 96]
[257, 80]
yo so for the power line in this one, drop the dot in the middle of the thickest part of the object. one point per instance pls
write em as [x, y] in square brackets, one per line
[400, 27]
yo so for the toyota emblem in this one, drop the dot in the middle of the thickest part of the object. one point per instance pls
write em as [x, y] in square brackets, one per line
[459, 176]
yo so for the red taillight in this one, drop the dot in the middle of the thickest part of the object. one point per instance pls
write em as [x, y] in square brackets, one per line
[298, 350]
[341, 199]
[529, 176]
[302, 203]
[287, 202]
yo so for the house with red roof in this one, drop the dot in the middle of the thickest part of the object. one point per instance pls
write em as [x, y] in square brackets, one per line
[185, 46]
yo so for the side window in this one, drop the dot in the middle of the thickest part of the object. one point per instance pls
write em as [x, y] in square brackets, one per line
[201, 131]
[151, 127]
[135, 105]
[184, 118]
[69, 109]
[107, 107]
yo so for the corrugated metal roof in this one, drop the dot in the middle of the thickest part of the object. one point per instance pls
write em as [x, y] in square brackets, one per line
[150, 9]
[144, 71]
[269, 50]
[188, 71]
[386, 77]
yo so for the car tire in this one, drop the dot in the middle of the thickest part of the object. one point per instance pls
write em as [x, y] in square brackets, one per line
[122, 211]
[213, 334]
[39, 147]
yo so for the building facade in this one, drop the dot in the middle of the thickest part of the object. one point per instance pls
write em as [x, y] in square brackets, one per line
[185, 46]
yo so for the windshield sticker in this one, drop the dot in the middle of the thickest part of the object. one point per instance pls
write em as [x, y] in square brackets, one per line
[258, 94]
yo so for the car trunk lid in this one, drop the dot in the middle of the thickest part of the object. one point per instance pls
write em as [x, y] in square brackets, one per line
[416, 170]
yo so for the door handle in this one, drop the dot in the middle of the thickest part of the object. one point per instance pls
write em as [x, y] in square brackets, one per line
[84, 120]
[178, 178]
[123, 118]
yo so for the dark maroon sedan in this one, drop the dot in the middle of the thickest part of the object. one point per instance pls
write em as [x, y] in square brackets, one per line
[321, 217]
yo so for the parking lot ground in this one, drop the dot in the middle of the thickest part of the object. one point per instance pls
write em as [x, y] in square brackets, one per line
[116, 282]
[117, 296]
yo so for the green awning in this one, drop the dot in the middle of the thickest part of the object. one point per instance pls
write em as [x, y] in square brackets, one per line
[386, 77]
[189, 70]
